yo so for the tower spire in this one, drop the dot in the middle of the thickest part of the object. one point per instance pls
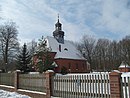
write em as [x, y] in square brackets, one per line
[58, 17]
[58, 33]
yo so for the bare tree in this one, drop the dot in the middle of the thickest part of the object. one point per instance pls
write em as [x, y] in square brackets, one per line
[101, 53]
[125, 49]
[86, 48]
[113, 55]
[8, 40]
[105, 54]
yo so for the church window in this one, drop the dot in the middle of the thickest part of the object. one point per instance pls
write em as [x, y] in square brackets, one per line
[60, 48]
[69, 65]
[83, 66]
[76, 66]
[66, 49]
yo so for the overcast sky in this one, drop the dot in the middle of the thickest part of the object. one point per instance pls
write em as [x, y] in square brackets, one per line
[99, 18]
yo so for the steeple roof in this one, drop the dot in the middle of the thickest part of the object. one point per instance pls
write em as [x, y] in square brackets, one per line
[58, 24]
[58, 33]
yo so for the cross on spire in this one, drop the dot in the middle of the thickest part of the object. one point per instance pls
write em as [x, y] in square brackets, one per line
[58, 17]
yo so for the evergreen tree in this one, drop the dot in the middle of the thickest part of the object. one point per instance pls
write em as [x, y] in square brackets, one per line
[24, 59]
[44, 59]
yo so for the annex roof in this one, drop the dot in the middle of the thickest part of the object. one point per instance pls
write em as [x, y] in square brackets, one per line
[124, 65]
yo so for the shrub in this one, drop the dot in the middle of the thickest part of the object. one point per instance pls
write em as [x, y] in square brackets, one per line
[64, 70]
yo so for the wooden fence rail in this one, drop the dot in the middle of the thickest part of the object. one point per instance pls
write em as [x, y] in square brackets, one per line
[34, 82]
[34, 85]
[7, 79]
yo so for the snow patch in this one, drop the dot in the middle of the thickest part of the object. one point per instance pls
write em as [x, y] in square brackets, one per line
[50, 70]
[6, 86]
[125, 74]
[116, 71]
[6, 94]
[33, 72]
[36, 92]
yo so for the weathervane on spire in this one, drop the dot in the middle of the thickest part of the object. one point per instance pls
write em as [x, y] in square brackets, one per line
[58, 15]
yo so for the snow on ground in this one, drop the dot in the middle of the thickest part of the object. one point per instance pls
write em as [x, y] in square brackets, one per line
[6, 94]
[125, 74]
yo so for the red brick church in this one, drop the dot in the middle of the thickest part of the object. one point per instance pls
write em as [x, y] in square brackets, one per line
[65, 53]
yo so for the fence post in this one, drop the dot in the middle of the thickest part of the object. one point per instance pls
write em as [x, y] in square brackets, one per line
[115, 84]
[16, 79]
[48, 75]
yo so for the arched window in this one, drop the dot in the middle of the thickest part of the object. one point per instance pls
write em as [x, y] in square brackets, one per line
[69, 65]
[76, 66]
[83, 66]
[66, 49]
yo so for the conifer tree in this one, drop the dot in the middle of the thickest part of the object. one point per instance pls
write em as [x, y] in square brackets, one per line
[44, 59]
[24, 59]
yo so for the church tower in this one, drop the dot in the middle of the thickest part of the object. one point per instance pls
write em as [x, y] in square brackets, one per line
[58, 33]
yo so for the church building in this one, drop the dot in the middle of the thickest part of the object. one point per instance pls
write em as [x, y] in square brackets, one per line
[65, 53]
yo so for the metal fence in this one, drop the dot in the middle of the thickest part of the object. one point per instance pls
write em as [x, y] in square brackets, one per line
[34, 82]
[125, 86]
[7, 79]
[94, 85]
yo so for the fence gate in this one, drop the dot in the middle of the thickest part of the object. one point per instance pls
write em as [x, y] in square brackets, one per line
[94, 85]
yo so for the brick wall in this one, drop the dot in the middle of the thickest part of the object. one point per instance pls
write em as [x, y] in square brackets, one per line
[124, 69]
[73, 66]
[115, 84]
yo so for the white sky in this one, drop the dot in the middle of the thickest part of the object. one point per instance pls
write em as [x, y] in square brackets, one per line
[100, 18]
